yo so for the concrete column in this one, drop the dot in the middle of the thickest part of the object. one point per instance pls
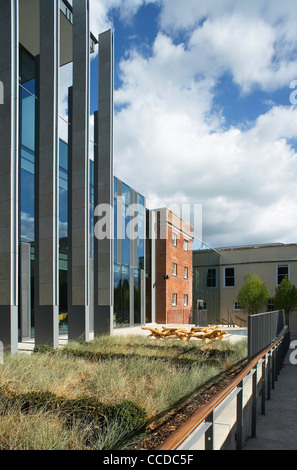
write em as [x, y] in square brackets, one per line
[131, 298]
[47, 178]
[78, 190]
[133, 252]
[103, 167]
[9, 155]
[119, 234]
[91, 294]
[142, 296]
[25, 290]
[152, 231]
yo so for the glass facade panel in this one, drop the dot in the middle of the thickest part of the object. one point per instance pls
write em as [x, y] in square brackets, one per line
[126, 194]
[27, 145]
[27, 195]
[137, 297]
[27, 66]
[125, 296]
[141, 232]
[27, 115]
[130, 257]
[63, 191]
[121, 296]
[27, 186]
[117, 273]
[125, 236]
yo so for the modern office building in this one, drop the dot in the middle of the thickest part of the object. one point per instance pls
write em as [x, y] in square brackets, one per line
[53, 175]
[78, 247]
[218, 276]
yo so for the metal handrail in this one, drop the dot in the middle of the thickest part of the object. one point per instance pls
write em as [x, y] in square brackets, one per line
[206, 412]
[263, 328]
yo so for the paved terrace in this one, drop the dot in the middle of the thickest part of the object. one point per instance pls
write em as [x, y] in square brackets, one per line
[235, 334]
[277, 429]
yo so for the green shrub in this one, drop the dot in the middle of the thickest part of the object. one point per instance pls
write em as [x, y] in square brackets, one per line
[86, 409]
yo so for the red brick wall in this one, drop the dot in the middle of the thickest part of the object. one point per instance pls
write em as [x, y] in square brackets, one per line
[166, 255]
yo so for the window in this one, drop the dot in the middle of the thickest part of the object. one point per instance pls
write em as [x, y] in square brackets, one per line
[186, 245]
[229, 277]
[237, 307]
[174, 239]
[174, 269]
[282, 273]
[186, 300]
[211, 277]
[270, 305]
[186, 273]
[174, 300]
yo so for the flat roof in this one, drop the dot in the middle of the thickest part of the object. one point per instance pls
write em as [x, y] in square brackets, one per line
[252, 246]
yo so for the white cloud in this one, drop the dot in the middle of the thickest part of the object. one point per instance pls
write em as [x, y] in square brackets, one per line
[101, 19]
[253, 40]
[171, 143]
[172, 148]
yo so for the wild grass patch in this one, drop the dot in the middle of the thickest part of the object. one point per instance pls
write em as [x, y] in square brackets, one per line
[153, 374]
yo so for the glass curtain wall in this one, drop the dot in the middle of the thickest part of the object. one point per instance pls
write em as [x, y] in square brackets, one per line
[27, 85]
[28, 98]
[124, 272]
[27, 144]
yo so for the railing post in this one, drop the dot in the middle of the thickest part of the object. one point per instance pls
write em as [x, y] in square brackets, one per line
[239, 416]
[264, 374]
[269, 376]
[209, 443]
[273, 368]
[276, 362]
[254, 401]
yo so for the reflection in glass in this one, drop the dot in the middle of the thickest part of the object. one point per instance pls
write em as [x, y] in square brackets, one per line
[125, 237]
[137, 296]
[125, 296]
[121, 296]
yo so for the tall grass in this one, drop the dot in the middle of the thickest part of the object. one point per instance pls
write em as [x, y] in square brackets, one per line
[36, 430]
[153, 384]
[143, 373]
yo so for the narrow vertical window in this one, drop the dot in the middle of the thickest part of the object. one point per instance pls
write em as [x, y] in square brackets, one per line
[211, 280]
[229, 277]
[174, 239]
[174, 269]
[282, 273]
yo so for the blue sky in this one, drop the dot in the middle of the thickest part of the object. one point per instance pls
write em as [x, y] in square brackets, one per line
[203, 113]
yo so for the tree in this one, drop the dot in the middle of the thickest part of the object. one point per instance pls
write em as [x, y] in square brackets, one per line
[286, 297]
[253, 295]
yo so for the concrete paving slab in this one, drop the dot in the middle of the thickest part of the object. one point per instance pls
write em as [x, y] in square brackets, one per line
[277, 429]
[234, 334]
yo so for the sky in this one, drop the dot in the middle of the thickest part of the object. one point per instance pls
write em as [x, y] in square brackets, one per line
[205, 110]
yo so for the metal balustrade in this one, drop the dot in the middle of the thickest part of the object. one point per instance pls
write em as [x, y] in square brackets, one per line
[260, 375]
[263, 329]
